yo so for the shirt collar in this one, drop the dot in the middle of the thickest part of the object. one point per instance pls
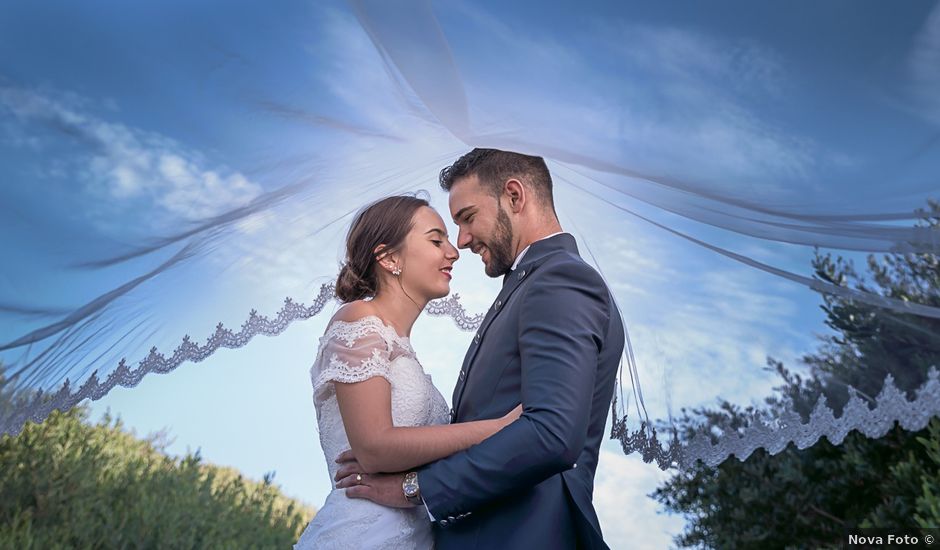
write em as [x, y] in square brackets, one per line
[526, 249]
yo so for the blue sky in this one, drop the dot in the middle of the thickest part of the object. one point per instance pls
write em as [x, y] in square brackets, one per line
[119, 125]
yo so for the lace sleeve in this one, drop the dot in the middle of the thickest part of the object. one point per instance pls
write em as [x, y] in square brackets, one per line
[352, 352]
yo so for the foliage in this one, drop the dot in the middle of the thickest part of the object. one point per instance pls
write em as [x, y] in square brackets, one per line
[808, 498]
[67, 483]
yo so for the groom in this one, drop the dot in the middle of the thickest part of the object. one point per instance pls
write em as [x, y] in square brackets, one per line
[552, 340]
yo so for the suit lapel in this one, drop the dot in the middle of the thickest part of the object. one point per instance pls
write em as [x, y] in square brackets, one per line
[510, 283]
[537, 254]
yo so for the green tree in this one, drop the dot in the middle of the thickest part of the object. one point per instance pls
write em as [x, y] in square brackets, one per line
[808, 498]
[9, 399]
[69, 483]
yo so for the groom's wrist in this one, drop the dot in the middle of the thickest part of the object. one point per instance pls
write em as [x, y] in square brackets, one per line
[411, 489]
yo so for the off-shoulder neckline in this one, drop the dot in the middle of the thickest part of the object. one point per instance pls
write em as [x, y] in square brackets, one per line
[385, 325]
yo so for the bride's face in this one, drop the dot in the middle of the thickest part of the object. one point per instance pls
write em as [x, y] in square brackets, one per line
[428, 256]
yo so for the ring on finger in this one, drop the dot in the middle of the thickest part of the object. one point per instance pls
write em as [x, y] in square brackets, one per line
[358, 479]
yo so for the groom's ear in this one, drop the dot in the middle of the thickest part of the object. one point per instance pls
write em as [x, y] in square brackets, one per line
[515, 191]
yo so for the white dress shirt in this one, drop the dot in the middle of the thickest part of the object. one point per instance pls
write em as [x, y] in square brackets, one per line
[526, 249]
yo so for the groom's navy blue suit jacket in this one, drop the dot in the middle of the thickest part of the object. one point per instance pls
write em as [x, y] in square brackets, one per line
[552, 340]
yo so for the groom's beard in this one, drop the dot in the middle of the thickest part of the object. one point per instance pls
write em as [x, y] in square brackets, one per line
[500, 246]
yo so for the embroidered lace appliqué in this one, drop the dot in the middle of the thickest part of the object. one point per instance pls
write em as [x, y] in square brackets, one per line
[352, 352]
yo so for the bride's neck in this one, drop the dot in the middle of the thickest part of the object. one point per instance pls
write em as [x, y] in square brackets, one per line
[394, 307]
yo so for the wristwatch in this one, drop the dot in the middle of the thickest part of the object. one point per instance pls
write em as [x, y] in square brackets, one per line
[410, 487]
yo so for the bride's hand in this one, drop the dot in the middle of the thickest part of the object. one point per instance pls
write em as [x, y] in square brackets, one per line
[511, 416]
[348, 465]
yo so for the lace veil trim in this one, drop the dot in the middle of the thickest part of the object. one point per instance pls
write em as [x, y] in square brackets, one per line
[891, 405]
[42, 404]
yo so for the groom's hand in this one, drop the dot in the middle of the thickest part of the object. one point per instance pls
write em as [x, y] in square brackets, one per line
[384, 489]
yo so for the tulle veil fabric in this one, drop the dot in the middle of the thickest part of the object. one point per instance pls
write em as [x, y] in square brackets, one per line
[152, 253]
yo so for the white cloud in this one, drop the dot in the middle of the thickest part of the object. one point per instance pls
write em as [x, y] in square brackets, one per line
[697, 59]
[656, 98]
[701, 326]
[628, 517]
[705, 334]
[119, 163]
[708, 336]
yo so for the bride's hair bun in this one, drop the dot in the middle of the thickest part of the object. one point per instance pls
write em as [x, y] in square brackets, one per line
[351, 287]
[384, 222]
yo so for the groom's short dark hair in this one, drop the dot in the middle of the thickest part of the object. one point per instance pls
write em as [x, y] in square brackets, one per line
[493, 167]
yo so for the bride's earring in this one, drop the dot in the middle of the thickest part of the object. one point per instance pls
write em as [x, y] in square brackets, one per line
[397, 271]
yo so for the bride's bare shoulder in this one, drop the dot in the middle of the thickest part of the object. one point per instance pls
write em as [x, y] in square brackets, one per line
[353, 311]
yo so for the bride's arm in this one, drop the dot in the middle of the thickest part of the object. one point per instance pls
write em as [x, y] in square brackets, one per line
[366, 408]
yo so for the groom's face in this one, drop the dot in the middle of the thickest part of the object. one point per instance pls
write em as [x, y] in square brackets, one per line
[485, 227]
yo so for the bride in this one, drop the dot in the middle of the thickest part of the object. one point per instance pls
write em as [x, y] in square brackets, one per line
[370, 392]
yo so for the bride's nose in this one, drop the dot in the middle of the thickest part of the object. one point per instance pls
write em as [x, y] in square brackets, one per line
[452, 253]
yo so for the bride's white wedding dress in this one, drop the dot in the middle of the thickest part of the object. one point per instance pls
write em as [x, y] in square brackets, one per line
[353, 352]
